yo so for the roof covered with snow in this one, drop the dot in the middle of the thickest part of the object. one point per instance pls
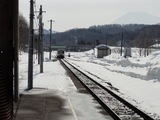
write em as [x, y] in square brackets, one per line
[102, 46]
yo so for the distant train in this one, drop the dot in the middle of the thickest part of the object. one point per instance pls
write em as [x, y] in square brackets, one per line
[60, 53]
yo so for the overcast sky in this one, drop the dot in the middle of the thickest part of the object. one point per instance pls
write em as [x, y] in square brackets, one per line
[69, 14]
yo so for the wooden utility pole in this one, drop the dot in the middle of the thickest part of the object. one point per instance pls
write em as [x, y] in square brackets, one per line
[41, 38]
[30, 58]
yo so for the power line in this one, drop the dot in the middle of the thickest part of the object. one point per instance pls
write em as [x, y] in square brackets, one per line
[47, 19]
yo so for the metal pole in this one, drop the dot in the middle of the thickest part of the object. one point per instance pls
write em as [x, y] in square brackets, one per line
[121, 44]
[39, 44]
[30, 64]
[50, 39]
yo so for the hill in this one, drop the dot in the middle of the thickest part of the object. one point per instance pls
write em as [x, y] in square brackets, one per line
[133, 35]
[36, 31]
[137, 18]
[105, 33]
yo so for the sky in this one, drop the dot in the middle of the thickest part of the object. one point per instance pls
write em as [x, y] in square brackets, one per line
[71, 14]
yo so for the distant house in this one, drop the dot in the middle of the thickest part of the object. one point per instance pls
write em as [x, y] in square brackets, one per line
[127, 52]
[102, 50]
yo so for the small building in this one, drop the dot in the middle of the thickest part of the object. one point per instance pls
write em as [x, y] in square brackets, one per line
[127, 52]
[102, 50]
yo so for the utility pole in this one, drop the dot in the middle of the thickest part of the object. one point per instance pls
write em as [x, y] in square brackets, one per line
[145, 45]
[106, 41]
[41, 39]
[121, 44]
[39, 45]
[30, 64]
[50, 50]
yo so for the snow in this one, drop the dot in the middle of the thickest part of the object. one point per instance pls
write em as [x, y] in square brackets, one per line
[137, 78]
[52, 75]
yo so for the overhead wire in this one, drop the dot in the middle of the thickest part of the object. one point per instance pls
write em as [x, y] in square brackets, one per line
[47, 20]
[45, 15]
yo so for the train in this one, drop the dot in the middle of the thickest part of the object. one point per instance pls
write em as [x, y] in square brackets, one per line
[60, 54]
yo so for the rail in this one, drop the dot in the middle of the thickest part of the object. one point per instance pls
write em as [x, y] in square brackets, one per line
[116, 106]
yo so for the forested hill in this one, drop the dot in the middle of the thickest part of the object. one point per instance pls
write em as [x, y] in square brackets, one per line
[110, 34]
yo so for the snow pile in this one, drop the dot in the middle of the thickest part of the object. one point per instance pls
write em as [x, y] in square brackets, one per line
[146, 68]
[152, 65]
[154, 58]
[125, 63]
[154, 72]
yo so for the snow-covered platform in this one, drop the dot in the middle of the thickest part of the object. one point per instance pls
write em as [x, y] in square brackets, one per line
[55, 96]
[42, 104]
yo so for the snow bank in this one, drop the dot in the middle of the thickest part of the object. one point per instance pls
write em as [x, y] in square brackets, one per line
[154, 73]
[151, 63]
[126, 62]
[154, 58]
[136, 77]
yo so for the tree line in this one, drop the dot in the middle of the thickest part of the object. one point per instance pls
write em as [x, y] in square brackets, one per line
[134, 35]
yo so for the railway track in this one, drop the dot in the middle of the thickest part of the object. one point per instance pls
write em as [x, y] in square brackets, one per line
[117, 107]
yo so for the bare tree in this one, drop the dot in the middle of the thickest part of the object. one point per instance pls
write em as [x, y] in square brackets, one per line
[116, 50]
[23, 32]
